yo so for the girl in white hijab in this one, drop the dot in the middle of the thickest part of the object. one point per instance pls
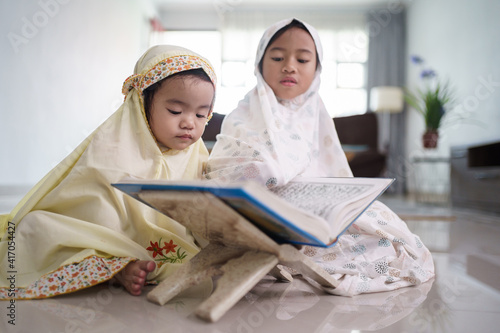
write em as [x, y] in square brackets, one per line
[73, 230]
[280, 131]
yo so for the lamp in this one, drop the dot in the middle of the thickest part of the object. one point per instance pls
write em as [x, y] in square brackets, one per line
[386, 100]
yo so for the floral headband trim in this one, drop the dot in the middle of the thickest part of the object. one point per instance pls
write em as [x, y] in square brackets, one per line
[166, 68]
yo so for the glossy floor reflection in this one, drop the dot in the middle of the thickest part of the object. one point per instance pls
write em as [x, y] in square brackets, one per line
[462, 298]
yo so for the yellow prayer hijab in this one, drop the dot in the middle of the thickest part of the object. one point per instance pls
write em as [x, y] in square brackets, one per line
[73, 221]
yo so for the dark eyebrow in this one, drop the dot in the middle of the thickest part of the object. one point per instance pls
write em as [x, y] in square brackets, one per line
[276, 48]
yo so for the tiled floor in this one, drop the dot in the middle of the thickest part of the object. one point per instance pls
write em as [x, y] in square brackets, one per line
[464, 296]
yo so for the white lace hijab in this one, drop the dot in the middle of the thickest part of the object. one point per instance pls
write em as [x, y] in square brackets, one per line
[273, 141]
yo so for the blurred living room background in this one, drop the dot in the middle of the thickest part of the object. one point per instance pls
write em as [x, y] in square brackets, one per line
[64, 61]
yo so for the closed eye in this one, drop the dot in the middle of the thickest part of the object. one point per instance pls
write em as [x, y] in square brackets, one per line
[303, 61]
[201, 116]
[174, 112]
[277, 58]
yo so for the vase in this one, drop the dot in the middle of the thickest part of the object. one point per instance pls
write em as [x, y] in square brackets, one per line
[430, 139]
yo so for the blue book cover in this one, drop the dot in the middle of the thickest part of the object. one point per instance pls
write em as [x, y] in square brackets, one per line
[306, 212]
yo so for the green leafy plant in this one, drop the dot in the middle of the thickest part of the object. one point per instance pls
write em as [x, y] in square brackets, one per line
[433, 100]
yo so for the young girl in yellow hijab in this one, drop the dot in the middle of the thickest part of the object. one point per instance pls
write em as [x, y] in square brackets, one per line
[73, 230]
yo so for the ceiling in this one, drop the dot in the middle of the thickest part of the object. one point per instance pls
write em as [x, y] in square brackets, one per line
[275, 4]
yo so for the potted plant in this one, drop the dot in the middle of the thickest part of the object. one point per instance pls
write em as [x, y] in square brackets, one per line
[432, 102]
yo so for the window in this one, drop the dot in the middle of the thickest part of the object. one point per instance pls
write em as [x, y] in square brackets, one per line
[343, 80]
[232, 53]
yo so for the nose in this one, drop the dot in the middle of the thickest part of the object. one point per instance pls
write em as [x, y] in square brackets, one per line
[288, 66]
[187, 122]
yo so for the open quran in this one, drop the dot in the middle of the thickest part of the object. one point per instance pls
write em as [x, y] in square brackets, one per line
[306, 211]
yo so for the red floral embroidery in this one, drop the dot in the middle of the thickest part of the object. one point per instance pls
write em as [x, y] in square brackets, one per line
[169, 247]
[157, 250]
[171, 255]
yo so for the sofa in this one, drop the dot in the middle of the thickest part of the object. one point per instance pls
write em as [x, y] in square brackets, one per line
[358, 135]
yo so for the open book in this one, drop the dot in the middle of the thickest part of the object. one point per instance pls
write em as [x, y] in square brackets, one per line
[308, 211]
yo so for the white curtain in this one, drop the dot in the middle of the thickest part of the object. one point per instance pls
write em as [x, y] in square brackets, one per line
[242, 30]
[343, 37]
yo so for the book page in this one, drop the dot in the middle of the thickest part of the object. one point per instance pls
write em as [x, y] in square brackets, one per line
[320, 198]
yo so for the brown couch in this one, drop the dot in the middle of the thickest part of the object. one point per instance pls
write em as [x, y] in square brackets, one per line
[358, 135]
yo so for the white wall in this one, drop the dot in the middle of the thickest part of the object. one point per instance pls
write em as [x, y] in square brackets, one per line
[460, 39]
[63, 64]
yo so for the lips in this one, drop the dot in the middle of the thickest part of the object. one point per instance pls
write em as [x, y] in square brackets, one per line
[288, 81]
[185, 136]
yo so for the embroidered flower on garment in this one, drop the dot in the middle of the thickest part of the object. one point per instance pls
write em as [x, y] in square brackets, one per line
[155, 248]
[381, 267]
[171, 255]
[169, 247]
[384, 242]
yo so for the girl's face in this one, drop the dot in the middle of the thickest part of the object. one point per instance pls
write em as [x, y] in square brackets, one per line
[179, 111]
[289, 64]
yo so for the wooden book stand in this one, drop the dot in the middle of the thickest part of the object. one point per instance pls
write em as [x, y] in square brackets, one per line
[238, 252]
